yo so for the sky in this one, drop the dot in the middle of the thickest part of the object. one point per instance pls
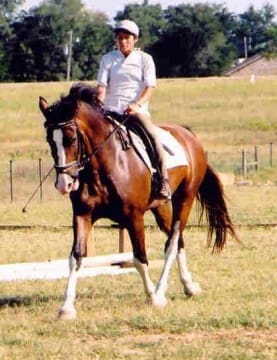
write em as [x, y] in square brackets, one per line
[111, 7]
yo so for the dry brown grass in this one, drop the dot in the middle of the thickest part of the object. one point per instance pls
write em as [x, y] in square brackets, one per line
[236, 316]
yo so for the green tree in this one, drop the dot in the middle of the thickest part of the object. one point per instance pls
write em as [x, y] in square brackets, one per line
[37, 52]
[7, 9]
[7, 13]
[149, 18]
[42, 38]
[95, 39]
[272, 43]
[253, 26]
[194, 42]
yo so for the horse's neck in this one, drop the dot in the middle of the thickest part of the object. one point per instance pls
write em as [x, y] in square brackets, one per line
[97, 127]
[98, 137]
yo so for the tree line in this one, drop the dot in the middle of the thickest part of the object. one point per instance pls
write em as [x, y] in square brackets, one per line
[60, 38]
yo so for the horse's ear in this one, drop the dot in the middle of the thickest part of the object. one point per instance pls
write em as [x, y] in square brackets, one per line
[43, 104]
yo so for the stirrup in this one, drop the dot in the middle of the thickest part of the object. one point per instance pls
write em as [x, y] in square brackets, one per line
[165, 192]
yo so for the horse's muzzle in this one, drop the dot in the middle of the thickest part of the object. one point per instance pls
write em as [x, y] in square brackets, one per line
[66, 183]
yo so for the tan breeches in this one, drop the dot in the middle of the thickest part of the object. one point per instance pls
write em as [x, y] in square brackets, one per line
[149, 127]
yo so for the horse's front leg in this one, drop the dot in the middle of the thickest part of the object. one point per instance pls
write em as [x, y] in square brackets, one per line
[82, 226]
[159, 298]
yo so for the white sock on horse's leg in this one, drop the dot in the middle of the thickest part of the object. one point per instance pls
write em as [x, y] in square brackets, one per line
[170, 256]
[190, 287]
[149, 287]
[67, 311]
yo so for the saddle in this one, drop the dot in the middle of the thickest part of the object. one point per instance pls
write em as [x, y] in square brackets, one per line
[127, 124]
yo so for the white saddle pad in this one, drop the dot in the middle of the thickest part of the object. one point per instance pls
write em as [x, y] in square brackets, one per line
[175, 154]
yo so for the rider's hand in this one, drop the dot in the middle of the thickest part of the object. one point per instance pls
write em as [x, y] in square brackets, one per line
[133, 108]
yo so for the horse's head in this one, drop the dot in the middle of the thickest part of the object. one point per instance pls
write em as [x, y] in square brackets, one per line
[64, 136]
[64, 140]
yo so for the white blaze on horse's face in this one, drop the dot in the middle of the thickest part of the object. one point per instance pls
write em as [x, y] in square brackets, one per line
[58, 139]
[65, 183]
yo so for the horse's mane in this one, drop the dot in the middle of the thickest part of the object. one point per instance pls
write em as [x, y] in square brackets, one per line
[64, 109]
[86, 93]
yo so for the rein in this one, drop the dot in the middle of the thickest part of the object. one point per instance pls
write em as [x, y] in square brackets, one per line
[117, 126]
[24, 209]
[83, 158]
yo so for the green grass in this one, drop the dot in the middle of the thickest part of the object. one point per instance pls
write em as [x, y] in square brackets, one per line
[226, 113]
[235, 318]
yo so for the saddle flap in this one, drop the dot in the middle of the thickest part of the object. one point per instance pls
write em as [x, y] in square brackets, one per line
[174, 152]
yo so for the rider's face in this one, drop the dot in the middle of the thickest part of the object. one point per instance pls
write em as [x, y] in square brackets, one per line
[126, 42]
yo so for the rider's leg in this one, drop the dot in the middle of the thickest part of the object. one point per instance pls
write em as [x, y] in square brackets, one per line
[148, 125]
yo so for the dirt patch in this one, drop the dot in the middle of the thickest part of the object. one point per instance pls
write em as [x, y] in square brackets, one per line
[256, 339]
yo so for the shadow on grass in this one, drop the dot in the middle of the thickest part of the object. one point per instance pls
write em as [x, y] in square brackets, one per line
[18, 301]
[35, 299]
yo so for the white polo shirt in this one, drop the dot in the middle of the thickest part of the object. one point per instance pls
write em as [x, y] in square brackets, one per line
[125, 78]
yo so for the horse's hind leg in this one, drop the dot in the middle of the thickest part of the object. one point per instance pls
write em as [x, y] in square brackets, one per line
[190, 287]
[164, 216]
[137, 236]
[159, 298]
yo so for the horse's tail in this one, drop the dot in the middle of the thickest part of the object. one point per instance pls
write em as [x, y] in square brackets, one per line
[211, 198]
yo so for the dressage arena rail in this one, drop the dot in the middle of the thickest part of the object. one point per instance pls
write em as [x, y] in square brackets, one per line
[20, 177]
[57, 269]
[112, 264]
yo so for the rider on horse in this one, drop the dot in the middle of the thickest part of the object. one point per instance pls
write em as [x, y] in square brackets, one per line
[126, 80]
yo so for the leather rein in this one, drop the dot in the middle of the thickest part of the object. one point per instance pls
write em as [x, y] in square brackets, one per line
[83, 157]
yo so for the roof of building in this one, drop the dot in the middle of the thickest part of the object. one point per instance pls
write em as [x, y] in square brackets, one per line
[243, 64]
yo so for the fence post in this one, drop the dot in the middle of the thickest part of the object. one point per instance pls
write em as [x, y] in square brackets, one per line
[271, 154]
[11, 179]
[121, 246]
[40, 177]
[256, 157]
[244, 163]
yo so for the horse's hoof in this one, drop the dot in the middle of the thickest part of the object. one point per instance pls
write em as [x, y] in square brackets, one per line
[193, 289]
[64, 314]
[159, 302]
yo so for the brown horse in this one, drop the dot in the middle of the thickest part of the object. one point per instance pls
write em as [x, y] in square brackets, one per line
[104, 180]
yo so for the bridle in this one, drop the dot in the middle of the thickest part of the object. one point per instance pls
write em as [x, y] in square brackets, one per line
[82, 158]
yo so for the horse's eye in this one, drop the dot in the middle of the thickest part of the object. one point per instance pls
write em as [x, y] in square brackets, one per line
[70, 141]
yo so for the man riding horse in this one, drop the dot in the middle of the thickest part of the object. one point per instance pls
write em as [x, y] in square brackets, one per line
[126, 80]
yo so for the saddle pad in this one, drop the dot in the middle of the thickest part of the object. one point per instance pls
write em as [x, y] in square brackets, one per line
[175, 154]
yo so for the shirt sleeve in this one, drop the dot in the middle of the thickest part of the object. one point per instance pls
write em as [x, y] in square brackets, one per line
[103, 73]
[149, 72]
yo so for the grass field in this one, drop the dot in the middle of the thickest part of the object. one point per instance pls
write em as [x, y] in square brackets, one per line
[226, 113]
[235, 318]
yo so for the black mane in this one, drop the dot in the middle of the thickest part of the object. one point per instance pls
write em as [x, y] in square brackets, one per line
[63, 111]
[86, 93]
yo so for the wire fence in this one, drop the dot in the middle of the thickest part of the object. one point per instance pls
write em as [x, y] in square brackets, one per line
[245, 161]
[20, 178]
